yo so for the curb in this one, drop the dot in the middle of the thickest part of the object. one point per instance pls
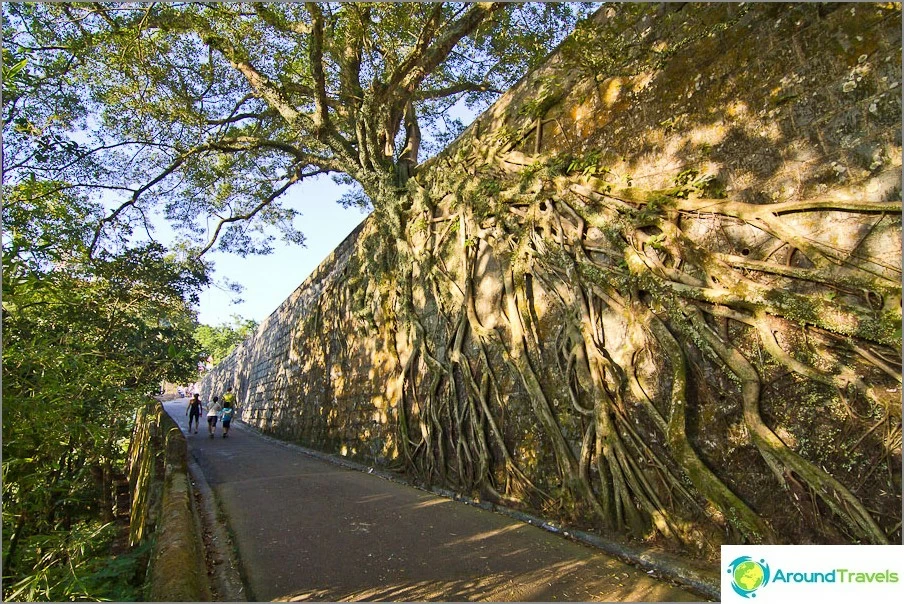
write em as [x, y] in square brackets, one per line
[223, 566]
[216, 556]
[667, 567]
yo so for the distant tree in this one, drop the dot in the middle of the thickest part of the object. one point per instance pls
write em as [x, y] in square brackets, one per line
[220, 340]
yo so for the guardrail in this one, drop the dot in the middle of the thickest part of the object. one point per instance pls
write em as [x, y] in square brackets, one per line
[162, 509]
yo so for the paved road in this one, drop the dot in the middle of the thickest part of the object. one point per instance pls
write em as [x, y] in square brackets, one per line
[311, 530]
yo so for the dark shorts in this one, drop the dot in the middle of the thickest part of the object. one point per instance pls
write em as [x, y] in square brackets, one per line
[226, 423]
[212, 420]
[194, 413]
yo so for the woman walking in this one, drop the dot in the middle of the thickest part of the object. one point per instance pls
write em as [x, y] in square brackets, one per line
[213, 411]
[194, 412]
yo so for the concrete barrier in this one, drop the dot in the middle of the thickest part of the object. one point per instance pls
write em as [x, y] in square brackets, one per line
[178, 569]
[165, 512]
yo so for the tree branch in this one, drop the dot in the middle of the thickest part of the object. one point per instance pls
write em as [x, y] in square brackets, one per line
[438, 93]
[276, 21]
[408, 157]
[412, 71]
[350, 67]
[134, 198]
[427, 33]
[226, 145]
[235, 118]
[245, 143]
[275, 96]
[261, 84]
[254, 211]
[85, 154]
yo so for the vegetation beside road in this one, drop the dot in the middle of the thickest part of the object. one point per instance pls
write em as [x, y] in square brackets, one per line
[84, 341]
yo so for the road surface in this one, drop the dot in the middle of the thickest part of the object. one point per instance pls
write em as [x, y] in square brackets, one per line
[306, 529]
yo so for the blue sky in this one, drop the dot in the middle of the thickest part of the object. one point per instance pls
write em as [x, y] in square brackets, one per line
[268, 280]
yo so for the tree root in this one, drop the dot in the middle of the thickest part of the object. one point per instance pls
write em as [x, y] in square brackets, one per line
[782, 459]
[596, 254]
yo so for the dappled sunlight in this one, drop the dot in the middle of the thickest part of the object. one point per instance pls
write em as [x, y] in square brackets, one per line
[431, 503]
[577, 581]
[489, 534]
[612, 91]
[737, 109]
[706, 134]
[419, 591]
[488, 288]
[374, 498]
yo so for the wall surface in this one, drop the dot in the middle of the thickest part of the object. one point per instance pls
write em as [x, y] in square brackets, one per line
[162, 509]
[702, 106]
[266, 370]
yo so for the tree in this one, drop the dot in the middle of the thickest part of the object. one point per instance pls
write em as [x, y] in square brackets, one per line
[686, 361]
[206, 114]
[85, 339]
[84, 342]
[212, 111]
[218, 341]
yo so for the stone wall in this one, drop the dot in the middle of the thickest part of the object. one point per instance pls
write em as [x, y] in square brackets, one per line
[266, 370]
[162, 509]
[755, 103]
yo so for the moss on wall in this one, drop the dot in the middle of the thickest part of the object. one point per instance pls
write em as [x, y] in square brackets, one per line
[654, 290]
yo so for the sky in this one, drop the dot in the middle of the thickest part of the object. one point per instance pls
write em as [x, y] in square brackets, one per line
[268, 280]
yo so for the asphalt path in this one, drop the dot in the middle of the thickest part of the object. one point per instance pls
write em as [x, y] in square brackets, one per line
[307, 529]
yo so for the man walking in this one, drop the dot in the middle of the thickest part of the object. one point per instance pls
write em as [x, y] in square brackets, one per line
[230, 400]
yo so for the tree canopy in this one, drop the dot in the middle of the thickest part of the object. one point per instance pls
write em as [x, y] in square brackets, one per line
[209, 112]
[85, 339]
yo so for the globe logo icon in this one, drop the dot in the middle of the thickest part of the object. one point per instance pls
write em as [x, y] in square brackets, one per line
[748, 575]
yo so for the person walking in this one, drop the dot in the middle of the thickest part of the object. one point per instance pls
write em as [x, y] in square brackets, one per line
[229, 399]
[226, 414]
[213, 412]
[193, 411]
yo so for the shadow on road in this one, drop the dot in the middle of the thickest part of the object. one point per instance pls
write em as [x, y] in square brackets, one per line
[584, 581]
[308, 530]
